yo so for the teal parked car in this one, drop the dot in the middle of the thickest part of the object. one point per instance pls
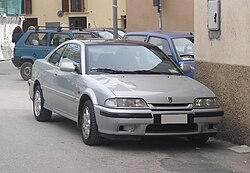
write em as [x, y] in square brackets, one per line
[36, 44]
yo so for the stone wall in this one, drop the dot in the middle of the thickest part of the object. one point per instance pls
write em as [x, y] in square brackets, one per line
[231, 83]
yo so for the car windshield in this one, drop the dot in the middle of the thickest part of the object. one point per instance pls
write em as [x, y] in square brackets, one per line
[128, 59]
[184, 48]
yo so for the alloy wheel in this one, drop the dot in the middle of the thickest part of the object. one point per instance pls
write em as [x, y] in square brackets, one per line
[37, 103]
[86, 123]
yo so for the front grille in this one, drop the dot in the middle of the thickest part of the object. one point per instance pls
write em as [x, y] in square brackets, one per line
[171, 128]
[170, 107]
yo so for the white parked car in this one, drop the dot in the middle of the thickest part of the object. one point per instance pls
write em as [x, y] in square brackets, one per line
[114, 89]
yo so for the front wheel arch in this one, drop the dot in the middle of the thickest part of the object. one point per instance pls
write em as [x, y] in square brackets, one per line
[36, 84]
[23, 60]
[83, 99]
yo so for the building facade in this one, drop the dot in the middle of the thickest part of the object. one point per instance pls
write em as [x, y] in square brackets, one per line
[177, 15]
[223, 63]
[73, 13]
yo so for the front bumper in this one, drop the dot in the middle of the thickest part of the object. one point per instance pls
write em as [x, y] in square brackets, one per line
[146, 122]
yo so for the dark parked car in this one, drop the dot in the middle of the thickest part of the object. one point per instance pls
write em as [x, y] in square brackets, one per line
[90, 33]
[36, 44]
[106, 33]
[177, 45]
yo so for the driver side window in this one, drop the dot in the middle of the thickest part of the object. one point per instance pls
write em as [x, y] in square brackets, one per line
[56, 56]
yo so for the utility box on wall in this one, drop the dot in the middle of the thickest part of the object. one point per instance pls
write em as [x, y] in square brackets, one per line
[213, 15]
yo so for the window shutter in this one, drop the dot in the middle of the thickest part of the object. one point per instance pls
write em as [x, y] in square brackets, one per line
[83, 5]
[65, 5]
[28, 6]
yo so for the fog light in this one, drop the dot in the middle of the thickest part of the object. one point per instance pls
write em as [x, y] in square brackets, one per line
[210, 126]
[128, 128]
[213, 126]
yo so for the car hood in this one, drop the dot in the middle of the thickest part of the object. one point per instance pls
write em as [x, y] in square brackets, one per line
[154, 88]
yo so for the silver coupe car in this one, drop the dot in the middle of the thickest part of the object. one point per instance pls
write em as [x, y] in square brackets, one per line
[122, 89]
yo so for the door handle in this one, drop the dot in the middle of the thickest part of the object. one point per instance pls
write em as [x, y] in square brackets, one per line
[215, 17]
[56, 73]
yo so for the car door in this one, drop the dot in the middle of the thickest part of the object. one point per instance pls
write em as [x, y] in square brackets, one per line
[48, 76]
[67, 85]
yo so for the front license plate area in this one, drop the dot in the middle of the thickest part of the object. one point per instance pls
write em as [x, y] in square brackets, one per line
[174, 119]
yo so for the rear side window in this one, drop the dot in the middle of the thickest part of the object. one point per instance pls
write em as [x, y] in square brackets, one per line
[136, 37]
[57, 39]
[37, 39]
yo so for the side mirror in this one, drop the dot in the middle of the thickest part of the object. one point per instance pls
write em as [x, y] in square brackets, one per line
[67, 66]
[186, 68]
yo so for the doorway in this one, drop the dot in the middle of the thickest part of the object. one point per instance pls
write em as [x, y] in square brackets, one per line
[29, 22]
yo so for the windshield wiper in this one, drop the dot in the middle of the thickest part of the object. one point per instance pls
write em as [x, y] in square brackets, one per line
[151, 72]
[187, 55]
[108, 70]
[112, 71]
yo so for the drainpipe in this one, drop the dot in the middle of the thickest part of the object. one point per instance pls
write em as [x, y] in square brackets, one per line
[115, 19]
[160, 14]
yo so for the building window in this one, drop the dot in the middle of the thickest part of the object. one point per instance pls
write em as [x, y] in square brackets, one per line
[123, 22]
[65, 5]
[26, 6]
[77, 6]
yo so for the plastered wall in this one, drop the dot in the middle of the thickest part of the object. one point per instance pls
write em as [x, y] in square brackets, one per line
[223, 64]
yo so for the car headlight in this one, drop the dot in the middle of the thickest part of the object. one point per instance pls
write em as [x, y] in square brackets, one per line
[205, 102]
[125, 103]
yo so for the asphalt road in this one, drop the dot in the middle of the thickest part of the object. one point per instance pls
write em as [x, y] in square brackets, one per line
[30, 146]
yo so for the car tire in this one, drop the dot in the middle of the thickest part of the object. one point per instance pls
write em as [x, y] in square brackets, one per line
[89, 128]
[26, 70]
[198, 139]
[40, 113]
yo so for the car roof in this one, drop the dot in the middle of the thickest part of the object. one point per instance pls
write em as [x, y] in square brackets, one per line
[115, 41]
[170, 34]
[49, 31]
